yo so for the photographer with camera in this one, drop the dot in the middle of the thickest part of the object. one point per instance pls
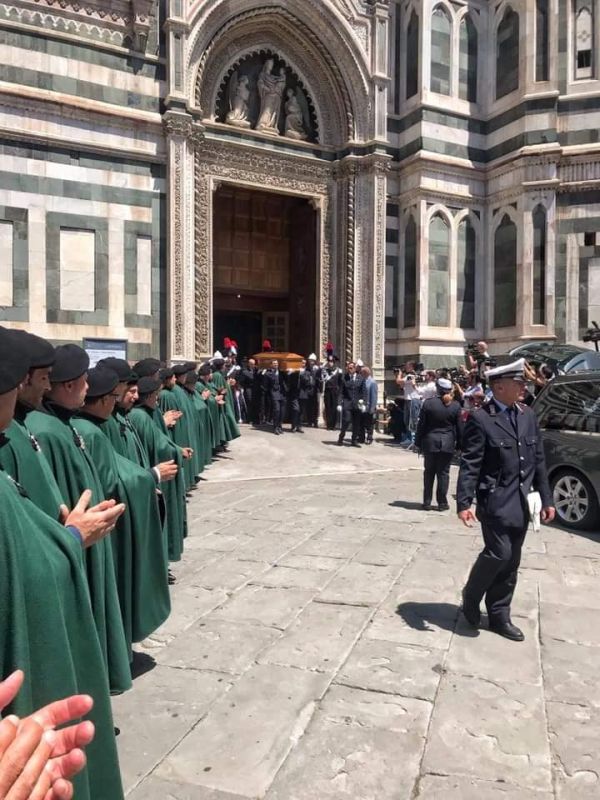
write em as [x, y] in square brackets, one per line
[477, 357]
[406, 380]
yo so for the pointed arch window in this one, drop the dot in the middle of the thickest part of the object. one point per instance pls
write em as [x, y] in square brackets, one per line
[412, 55]
[539, 265]
[441, 45]
[541, 40]
[439, 272]
[466, 254]
[584, 39]
[507, 54]
[505, 274]
[410, 274]
[467, 60]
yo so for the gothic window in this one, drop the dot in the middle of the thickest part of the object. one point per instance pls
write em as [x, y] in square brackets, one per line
[410, 274]
[412, 56]
[507, 54]
[439, 272]
[441, 42]
[539, 265]
[467, 60]
[505, 274]
[541, 40]
[465, 274]
[584, 39]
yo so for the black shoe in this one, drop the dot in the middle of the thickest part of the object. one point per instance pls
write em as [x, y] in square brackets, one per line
[508, 630]
[276, 431]
[340, 442]
[355, 444]
[470, 611]
[443, 507]
[369, 441]
[299, 430]
[171, 578]
[426, 506]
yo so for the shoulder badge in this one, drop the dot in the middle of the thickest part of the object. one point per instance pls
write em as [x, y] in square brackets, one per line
[34, 443]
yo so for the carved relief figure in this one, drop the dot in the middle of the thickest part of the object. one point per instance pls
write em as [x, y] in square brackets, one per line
[270, 89]
[239, 92]
[294, 118]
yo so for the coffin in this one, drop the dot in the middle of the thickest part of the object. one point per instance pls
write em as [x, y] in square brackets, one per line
[286, 360]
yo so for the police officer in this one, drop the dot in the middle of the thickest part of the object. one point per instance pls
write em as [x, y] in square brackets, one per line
[351, 403]
[436, 438]
[276, 391]
[502, 462]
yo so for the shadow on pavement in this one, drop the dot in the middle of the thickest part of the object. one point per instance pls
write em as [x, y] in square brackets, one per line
[141, 664]
[421, 616]
[408, 504]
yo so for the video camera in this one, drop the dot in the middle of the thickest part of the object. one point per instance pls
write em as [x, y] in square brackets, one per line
[592, 335]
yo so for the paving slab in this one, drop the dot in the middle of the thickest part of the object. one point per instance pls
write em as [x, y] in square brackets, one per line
[171, 701]
[217, 644]
[486, 730]
[571, 672]
[325, 563]
[574, 737]
[569, 624]
[359, 745]
[154, 788]
[319, 639]
[452, 787]
[188, 604]
[265, 605]
[226, 574]
[294, 578]
[381, 666]
[415, 616]
[360, 584]
[240, 745]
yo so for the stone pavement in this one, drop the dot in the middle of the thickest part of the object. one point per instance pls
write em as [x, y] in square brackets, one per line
[316, 651]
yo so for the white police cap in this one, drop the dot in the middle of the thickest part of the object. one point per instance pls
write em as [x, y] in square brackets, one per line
[515, 370]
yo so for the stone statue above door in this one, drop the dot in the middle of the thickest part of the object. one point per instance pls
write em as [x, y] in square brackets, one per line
[261, 92]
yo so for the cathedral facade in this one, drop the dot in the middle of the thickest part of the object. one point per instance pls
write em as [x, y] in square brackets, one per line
[393, 177]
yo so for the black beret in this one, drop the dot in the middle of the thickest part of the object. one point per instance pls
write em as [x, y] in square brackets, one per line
[120, 366]
[70, 363]
[181, 369]
[101, 381]
[204, 370]
[146, 367]
[191, 377]
[147, 385]
[41, 352]
[14, 361]
[166, 373]
[218, 363]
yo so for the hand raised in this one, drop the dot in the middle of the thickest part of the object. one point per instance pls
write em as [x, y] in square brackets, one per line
[168, 470]
[92, 523]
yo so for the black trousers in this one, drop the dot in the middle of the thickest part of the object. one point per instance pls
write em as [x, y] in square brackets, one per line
[437, 466]
[351, 417]
[310, 410]
[367, 423]
[330, 403]
[295, 419]
[495, 572]
[277, 406]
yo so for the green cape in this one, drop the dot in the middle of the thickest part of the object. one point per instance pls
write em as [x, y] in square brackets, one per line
[48, 630]
[74, 472]
[231, 427]
[182, 433]
[23, 460]
[139, 548]
[160, 448]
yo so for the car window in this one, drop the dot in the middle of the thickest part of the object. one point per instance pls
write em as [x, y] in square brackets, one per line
[570, 407]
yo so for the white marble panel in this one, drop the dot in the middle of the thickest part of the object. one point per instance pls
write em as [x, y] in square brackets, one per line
[144, 275]
[77, 267]
[6, 263]
[594, 291]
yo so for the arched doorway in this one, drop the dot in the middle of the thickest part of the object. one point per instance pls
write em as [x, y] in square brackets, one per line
[264, 269]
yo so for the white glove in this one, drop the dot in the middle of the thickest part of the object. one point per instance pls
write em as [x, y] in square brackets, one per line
[339, 408]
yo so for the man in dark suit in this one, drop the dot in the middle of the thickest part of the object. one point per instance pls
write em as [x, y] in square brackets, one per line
[436, 438]
[275, 389]
[502, 462]
[250, 384]
[352, 402]
[315, 389]
[306, 391]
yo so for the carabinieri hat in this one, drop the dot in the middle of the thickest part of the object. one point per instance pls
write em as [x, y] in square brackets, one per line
[70, 363]
[41, 352]
[101, 381]
[515, 370]
[14, 361]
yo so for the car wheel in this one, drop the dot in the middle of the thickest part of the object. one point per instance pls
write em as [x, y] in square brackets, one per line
[575, 500]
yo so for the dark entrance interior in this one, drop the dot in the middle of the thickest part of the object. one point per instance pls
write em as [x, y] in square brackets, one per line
[265, 267]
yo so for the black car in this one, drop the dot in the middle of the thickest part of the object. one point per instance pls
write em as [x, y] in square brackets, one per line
[568, 410]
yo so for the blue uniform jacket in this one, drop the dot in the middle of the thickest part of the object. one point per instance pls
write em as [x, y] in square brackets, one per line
[500, 466]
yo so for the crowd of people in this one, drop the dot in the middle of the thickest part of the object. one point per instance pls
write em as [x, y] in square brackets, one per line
[96, 467]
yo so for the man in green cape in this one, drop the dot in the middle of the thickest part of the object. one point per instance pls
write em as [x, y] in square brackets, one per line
[202, 423]
[184, 433]
[139, 549]
[48, 628]
[224, 387]
[159, 447]
[75, 472]
[215, 403]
